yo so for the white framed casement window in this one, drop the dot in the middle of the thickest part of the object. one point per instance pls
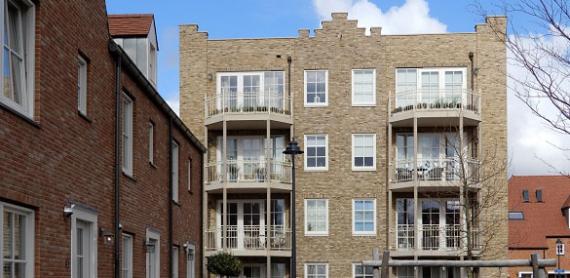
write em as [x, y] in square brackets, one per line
[83, 243]
[364, 152]
[316, 217]
[316, 152]
[175, 262]
[175, 170]
[364, 217]
[17, 227]
[190, 261]
[316, 88]
[189, 174]
[363, 87]
[18, 37]
[127, 134]
[316, 270]
[361, 271]
[127, 256]
[152, 246]
[82, 85]
[151, 143]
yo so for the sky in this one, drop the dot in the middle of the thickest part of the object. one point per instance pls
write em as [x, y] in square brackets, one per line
[531, 142]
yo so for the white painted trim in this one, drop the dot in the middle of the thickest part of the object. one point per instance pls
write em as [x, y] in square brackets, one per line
[29, 235]
[85, 215]
[83, 81]
[373, 103]
[153, 234]
[354, 265]
[128, 253]
[127, 127]
[365, 233]
[316, 264]
[317, 233]
[317, 169]
[373, 167]
[190, 264]
[322, 104]
[175, 171]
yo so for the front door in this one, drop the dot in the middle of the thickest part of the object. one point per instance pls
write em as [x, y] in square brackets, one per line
[245, 224]
[430, 225]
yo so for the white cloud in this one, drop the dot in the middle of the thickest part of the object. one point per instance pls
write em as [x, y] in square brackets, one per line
[174, 103]
[411, 18]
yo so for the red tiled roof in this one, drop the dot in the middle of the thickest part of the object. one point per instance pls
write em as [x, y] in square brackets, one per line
[121, 25]
[541, 219]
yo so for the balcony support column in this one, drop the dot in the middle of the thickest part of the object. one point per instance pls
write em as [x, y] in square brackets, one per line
[268, 160]
[224, 185]
[416, 197]
[390, 172]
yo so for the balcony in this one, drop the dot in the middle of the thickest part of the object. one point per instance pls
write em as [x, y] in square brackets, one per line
[253, 107]
[436, 107]
[435, 173]
[435, 240]
[249, 174]
[250, 240]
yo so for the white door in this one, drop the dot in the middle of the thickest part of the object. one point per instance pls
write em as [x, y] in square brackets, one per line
[245, 224]
[83, 249]
[190, 261]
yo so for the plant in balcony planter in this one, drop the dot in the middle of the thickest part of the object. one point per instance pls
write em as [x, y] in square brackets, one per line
[233, 172]
[224, 264]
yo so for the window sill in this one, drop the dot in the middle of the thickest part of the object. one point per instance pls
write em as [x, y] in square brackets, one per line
[357, 169]
[316, 170]
[129, 176]
[364, 105]
[309, 105]
[152, 165]
[363, 234]
[316, 235]
[84, 116]
[176, 203]
[25, 117]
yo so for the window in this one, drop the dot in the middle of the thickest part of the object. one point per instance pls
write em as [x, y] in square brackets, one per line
[361, 271]
[127, 258]
[83, 243]
[189, 176]
[525, 275]
[516, 215]
[152, 64]
[560, 248]
[127, 132]
[151, 143]
[538, 195]
[364, 151]
[152, 254]
[17, 228]
[316, 88]
[364, 87]
[316, 216]
[175, 171]
[18, 56]
[82, 86]
[405, 272]
[406, 87]
[190, 261]
[316, 270]
[316, 152]
[364, 217]
[278, 270]
[525, 196]
[174, 262]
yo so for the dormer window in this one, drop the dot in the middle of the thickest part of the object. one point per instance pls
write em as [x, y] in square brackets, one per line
[525, 196]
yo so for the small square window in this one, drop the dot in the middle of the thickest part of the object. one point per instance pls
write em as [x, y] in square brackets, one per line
[316, 217]
[363, 87]
[364, 217]
[317, 270]
[316, 88]
[538, 195]
[316, 152]
[363, 151]
[525, 196]
[361, 271]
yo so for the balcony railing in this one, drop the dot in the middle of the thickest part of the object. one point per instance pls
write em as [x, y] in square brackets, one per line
[249, 237]
[437, 99]
[435, 237]
[256, 102]
[444, 169]
[240, 171]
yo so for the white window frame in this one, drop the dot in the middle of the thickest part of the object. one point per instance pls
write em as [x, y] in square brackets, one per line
[151, 142]
[363, 233]
[155, 235]
[364, 168]
[127, 256]
[86, 215]
[373, 103]
[316, 169]
[175, 264]
[560, 251]
[190, 263]
[319, 104]
[189, 174]
[317, 233]
[26, 108]
[316, 264]
[441, 79]
[175, 157]
[127, 134]
[82, 84]
[29, 235]
[354, 266]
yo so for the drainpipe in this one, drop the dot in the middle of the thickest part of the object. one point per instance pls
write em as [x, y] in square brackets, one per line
[170, 166]
[471, 59]
[118, 101]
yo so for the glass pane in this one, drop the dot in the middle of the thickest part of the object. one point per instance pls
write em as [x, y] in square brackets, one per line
[7, 78]
[8, 229]
[19, 237]
[7, 270]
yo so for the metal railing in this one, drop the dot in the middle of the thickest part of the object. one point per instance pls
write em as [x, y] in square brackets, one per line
[249, 237]
[252, 102]
[435, 237]
[437, 99]
[443, 169]
[237, 171]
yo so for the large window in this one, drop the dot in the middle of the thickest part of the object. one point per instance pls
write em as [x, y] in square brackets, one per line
[152, 246]
[18, 56]
[250, 92]
[175, 262]
[361, 271]
[364, 217]
[316, 270]
[364, 151]
[82, 86]
[127, 134]
[175, 170]
[316, 216]
[363, 87]
[17, 240]
[430, 87]
[83, 243]
[316, 88]
[316, 152]
[127, 256]
[151, 143]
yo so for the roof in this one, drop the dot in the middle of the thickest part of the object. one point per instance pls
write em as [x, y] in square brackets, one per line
[541, 219]
[130, 25]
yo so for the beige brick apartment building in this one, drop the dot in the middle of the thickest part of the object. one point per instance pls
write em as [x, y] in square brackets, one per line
[365, 109]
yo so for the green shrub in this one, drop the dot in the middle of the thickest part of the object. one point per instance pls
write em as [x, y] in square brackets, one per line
[224, 264]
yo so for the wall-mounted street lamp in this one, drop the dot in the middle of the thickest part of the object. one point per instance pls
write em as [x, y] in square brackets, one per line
[107, 236]
[293, 150]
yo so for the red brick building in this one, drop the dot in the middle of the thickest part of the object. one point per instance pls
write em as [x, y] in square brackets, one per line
[98, 176]
[538, 217]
